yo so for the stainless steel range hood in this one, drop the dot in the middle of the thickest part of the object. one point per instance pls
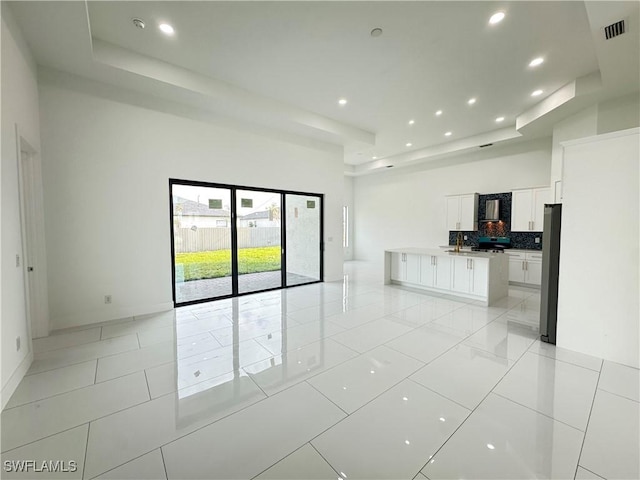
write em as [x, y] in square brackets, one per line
[492, 211]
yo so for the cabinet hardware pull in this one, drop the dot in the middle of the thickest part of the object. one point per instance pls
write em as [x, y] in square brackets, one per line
[523, 265]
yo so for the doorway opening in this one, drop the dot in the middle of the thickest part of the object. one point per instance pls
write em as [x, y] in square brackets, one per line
[229, 240]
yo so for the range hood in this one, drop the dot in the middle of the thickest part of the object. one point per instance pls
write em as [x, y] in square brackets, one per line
[492, 211]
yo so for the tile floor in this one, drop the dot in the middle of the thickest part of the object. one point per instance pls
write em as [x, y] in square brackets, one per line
[351, 380]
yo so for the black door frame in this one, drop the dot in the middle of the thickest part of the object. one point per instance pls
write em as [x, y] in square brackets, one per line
[234, 238]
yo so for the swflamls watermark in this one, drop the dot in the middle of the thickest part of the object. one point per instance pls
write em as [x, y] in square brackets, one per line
[50, 466]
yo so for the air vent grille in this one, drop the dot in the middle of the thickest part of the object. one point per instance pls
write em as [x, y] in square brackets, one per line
[485, 145]
[614, 30]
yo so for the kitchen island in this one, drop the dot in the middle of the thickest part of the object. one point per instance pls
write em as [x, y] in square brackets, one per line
[480, 276]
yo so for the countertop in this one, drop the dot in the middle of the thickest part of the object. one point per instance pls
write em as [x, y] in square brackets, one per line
[525, 250]
[438, 252]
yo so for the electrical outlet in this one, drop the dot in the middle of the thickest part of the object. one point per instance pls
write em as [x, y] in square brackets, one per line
[17, 344]
[466, 237]
[107, 299]
[537, 240]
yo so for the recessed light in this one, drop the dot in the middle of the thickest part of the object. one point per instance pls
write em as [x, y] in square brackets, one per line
[496, 18]
[166, 29]
[407, 442]
[411, 122]
[500, 119]
[409, 144]
[374, 158]
[447, 134]
[342, 101]
[490, 446]
[471, 101]
[438, 113]
[536, 61]
[376, 32]
[536, 93]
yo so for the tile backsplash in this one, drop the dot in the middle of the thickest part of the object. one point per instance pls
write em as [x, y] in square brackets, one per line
[524, 240]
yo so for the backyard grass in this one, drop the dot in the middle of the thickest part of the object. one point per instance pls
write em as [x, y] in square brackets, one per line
[217, 263]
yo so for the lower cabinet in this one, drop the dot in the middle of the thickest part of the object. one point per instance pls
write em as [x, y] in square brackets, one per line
[470, 275]
[435, 272]
[525, 267]
[405, 267]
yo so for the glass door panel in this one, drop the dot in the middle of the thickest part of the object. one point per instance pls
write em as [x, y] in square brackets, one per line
[303, 234]
[201, 242]
[259, 235]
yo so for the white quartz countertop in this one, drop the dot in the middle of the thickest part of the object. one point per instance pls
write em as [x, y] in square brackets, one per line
[439, 252]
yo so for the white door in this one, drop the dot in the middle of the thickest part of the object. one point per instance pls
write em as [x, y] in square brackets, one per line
[540, 197]
[521, 206]
[427, 270]
[412, 268]
[453, 213]
[442, 267]
[533, 274]
[516, 270]
[467, 212]
[460, 273]
[479, 276]
[397, 266]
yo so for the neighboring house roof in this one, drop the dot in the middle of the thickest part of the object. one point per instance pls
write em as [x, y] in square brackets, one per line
[191, 208]
[256, 215]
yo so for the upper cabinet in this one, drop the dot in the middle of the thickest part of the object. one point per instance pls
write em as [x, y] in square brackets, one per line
[462, 212]
[527, 209]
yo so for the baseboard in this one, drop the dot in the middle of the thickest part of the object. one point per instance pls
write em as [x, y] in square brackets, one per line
[105, 315]
[15, 379]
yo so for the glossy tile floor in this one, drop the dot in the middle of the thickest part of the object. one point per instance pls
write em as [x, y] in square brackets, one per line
[351, 380]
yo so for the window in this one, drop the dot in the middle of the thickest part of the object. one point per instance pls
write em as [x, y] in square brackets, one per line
[345, 226]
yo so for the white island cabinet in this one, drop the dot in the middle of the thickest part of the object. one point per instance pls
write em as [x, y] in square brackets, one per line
[474, 275]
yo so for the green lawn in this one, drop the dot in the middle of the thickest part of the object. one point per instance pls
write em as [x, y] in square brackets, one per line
[217, 263]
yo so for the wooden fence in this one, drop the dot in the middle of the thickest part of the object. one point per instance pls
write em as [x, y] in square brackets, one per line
[219, 238]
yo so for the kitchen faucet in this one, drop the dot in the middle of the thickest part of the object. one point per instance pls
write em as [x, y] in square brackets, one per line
[459, 242]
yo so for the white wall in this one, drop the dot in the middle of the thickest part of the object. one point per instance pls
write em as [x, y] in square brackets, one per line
[619, 113]
[348, 202]
[406, 207]
[19, 107]
[106, 167]
[598, 311]
[609, 116]
[582, 124]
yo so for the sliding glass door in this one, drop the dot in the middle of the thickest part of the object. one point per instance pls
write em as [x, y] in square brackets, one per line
[259, 231]
[201, 222]
[229, 240]
[303, 239]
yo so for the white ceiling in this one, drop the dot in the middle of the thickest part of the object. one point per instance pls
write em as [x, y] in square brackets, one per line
[285, 64]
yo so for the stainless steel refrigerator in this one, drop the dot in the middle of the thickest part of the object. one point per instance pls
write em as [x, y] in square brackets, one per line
[550, 271]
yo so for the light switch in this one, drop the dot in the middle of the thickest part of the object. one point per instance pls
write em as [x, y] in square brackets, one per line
[17, 260]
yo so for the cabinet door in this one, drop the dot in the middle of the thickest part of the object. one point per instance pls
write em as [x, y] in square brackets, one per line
[453, 213]
[442, 272]
[468, 212]
[516, 270]
[540, 197]
[397, 266]
[427, 270]
[412, 268]
[521, 207]
[533, 273]
[479, 276]
[460, 274]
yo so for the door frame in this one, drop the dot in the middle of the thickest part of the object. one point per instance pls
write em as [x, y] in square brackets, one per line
[32, 237]
[234, 237]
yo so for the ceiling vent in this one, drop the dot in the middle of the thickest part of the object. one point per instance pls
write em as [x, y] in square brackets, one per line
[485, 145]
[614, 30]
